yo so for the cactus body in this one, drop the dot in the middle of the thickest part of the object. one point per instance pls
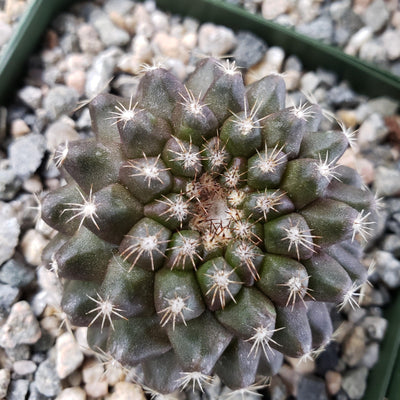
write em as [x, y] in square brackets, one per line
[205, 228]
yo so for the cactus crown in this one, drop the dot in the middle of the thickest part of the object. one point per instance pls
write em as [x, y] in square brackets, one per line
[205, 228]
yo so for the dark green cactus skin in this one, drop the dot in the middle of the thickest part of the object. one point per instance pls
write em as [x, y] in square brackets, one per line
[205, 228]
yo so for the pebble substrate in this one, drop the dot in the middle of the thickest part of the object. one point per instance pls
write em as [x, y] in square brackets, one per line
[369, 29]
[84, 49]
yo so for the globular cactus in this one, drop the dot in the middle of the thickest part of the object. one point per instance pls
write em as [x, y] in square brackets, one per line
[206, 229]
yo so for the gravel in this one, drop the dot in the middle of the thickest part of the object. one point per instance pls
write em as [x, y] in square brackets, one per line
[85, 48]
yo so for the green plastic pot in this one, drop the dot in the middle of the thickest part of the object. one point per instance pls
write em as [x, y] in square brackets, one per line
[384, 378]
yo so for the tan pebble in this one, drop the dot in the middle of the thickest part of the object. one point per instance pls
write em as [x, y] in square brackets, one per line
[78, 61]
[343, 330]
[4, 382]
[130, 64]
[51, 324]
[117, 19]
[127, 391]
[189, 40]
[273, 8]
[333, 382]
[290, 378]
[348, 117]
[19, 128]
[366, 170]
[348, 158]
[354, 346]
[52, 183]
[15, 8]
[75, 379]
[92, 371]
[257, 71]
[359, 6]
[33, 184]
[73, 393]
[97, 389]
[76, 80]
[169, 46]
[292, 79]
[396, 19]
[302, 366]
[141, 49]
[32, 245]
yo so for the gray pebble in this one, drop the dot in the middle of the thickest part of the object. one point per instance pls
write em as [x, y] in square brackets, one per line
[391, 244]
[9, 233]
[388, 268]
[31, 96]
[21, 326]
[371, 355]
[341, 36]
[384, 106]
[354, 382]
[376, 15]
[372, 131]
[351, 22]
[249, 50]
[59, 132]
[387, 181]
[342, 96]
[34, 393]
[327, 78]
[19, 352]
[309, 82]
[60, 100]
[339, 9]
[26, 154]
[52, 76]
[8, 296]
[121, 7]
[311, 388]
[4, 382]
[24, 367]
[216, 40]
[84, 121]
[17, 274]
[89, 40]
[102, 70]
[278, 390]
[69, 355]
[65, 23]
[321, 29]
[373, 51]
[10, 184]
[109, 34]
[5, 33]
[293, 63]
[46, 379]
[18, 389]
[375, 327]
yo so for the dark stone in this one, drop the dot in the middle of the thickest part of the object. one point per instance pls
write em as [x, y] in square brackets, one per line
[250, 49]
[311, 388]
[16, 274]
[342, 96]
[328, 360]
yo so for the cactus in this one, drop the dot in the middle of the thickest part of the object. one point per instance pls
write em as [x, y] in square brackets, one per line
[206, 228]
